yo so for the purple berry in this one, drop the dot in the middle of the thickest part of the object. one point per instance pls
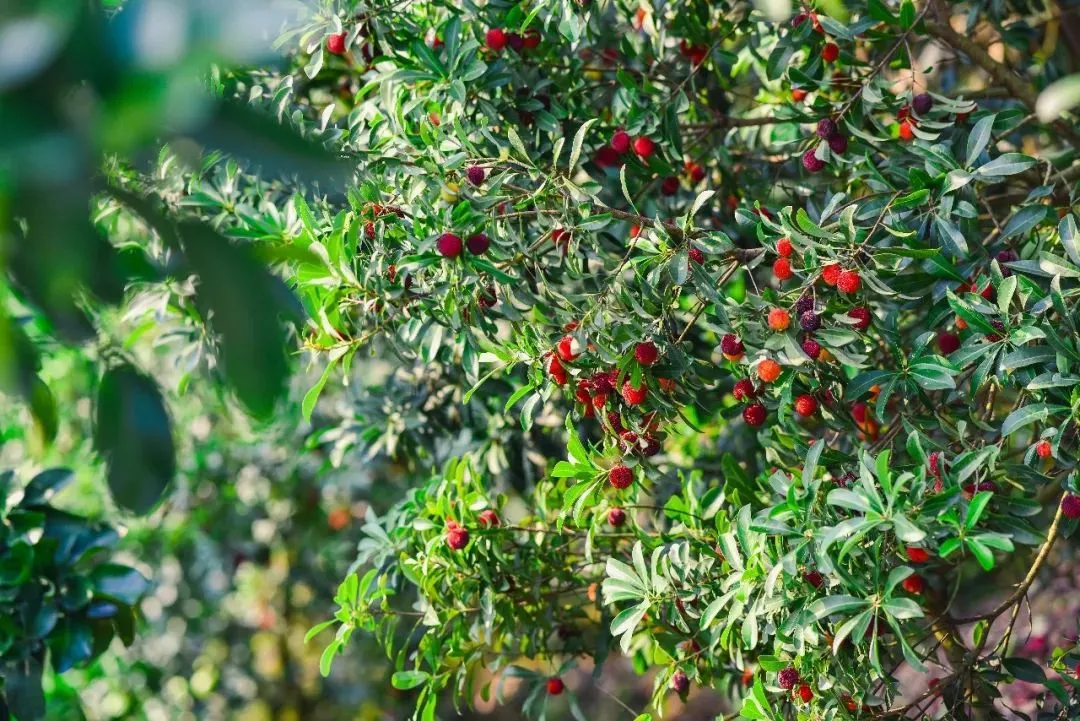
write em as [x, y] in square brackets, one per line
[922, 103]
[812, 162]
[809, 321]
[826, 128]
[838, 144]
[475, 174]
[803, 304]
[788, 678]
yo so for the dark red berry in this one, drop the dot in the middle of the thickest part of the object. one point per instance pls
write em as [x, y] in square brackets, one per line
[620, 476]
[620, 141]
[732, 347]
[814, 578]
[515, 41]
[826, 128]
[804, 303]
[478, 244]
[922, 103]
[830, 52]
[914, 583]
[809, 321]
[555, 686]
[670, 185]
[743, 390]
[861, 316]
[646, 353]
[449, 245]
[947, 342]
[488, 518]
[812, 162]
[456, 537]
[696, 256]
[616, 517]
[475, 174]
[838, 144]
[1070, 506]
[754, 414]
[680, 683]
[335, 44]
[634, 396]
[787, 678]
[811, 348]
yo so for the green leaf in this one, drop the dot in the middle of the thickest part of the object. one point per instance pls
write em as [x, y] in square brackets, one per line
[829, 605]
[120, 583]
[979, 137]
[1024, 416]
[317, 629]
[312, 396]
[1025, 669]
[405, 680]
[1004, 165]
[982, 553]
[1023, 221]
[976, 507]
[133, 433]
[515, 141]
[579, 138]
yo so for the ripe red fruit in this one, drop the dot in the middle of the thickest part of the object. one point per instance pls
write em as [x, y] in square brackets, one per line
[449, 245]
[620, 141]
[814, 578]
[830, 274]
[798, 94]
[779, 319]
[556, 370]
[1043, 449]
[555, 686]
[809, 321]
[695, 171]
[567, 348]
[914, 583]
[1070, 506]
[947, 342]
[669, 185]
[478, 244]
[561, 236]
[488, 518]
[768, 370]
[620, 476]
[680, 683]
[838, 144]
[812, 162]
[781, 269]
[732, 347]
[475, 174]
[811, 348]
[934, 463]
[532, 39]
[787, 678]
[806, 693]
[644, 147]
[848, 281]
[456, 537]
[917, 555]
[906, 132]
[743, 390]
[616, 517]
[805, 405]
[646, 353]
[335, 44]
[826, 128]
[858, 412]
[634, 396]
[696, 256]
[495, 39]
[862, 317]
[515, 41]
[754, 414]
[784, 247]
[830, 52]
[961, 118]
[486, 297]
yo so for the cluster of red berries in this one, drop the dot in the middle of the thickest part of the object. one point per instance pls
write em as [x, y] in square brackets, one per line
[846, 281]
[496, 39]
[790, 680]
[457, 536]
[828, 131]
[695, 53]
[921, 104]
[450, 245]
[643, 146]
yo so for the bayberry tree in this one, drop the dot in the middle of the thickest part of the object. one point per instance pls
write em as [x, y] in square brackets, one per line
[738, 340]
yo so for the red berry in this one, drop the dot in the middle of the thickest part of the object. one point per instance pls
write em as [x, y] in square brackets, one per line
[784, 248]
[754, 414]
[830, 274]
[670, 185]
[917, 555]
[798, 94]
[826, 128]
[922, 103]
[838, 144]
[620, 476]
[1043, 449]
[914, 583]
[768, 370]
[532, 39]
[861, 316]
[495, 39]
[515, 41]
[646, 353]
[934, 463]
[1070, 506]
[488, 518]
[555, 686]
[781, 269]
[680, 683]
[787, 678]
[743, 390]
[805, 405]
[732, 347]
[644, 147]
[556, 370]
[830, 52]
[620, 141]
[811, 348]
[805, 693]
[848, 281]
[695, 171]
[779, 319]
[634, 396]
[812, 162]
[449, 245]
[567, 348]
[814, 578]
[335, 44]
[616, 517]
[947, 342]
[478, 244]
[475, 174]
[906, 132]
[858, 412]
[456, 537]
[561, 236]
[696, 256]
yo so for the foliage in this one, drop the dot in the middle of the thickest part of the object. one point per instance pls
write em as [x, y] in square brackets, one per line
[738, 345]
